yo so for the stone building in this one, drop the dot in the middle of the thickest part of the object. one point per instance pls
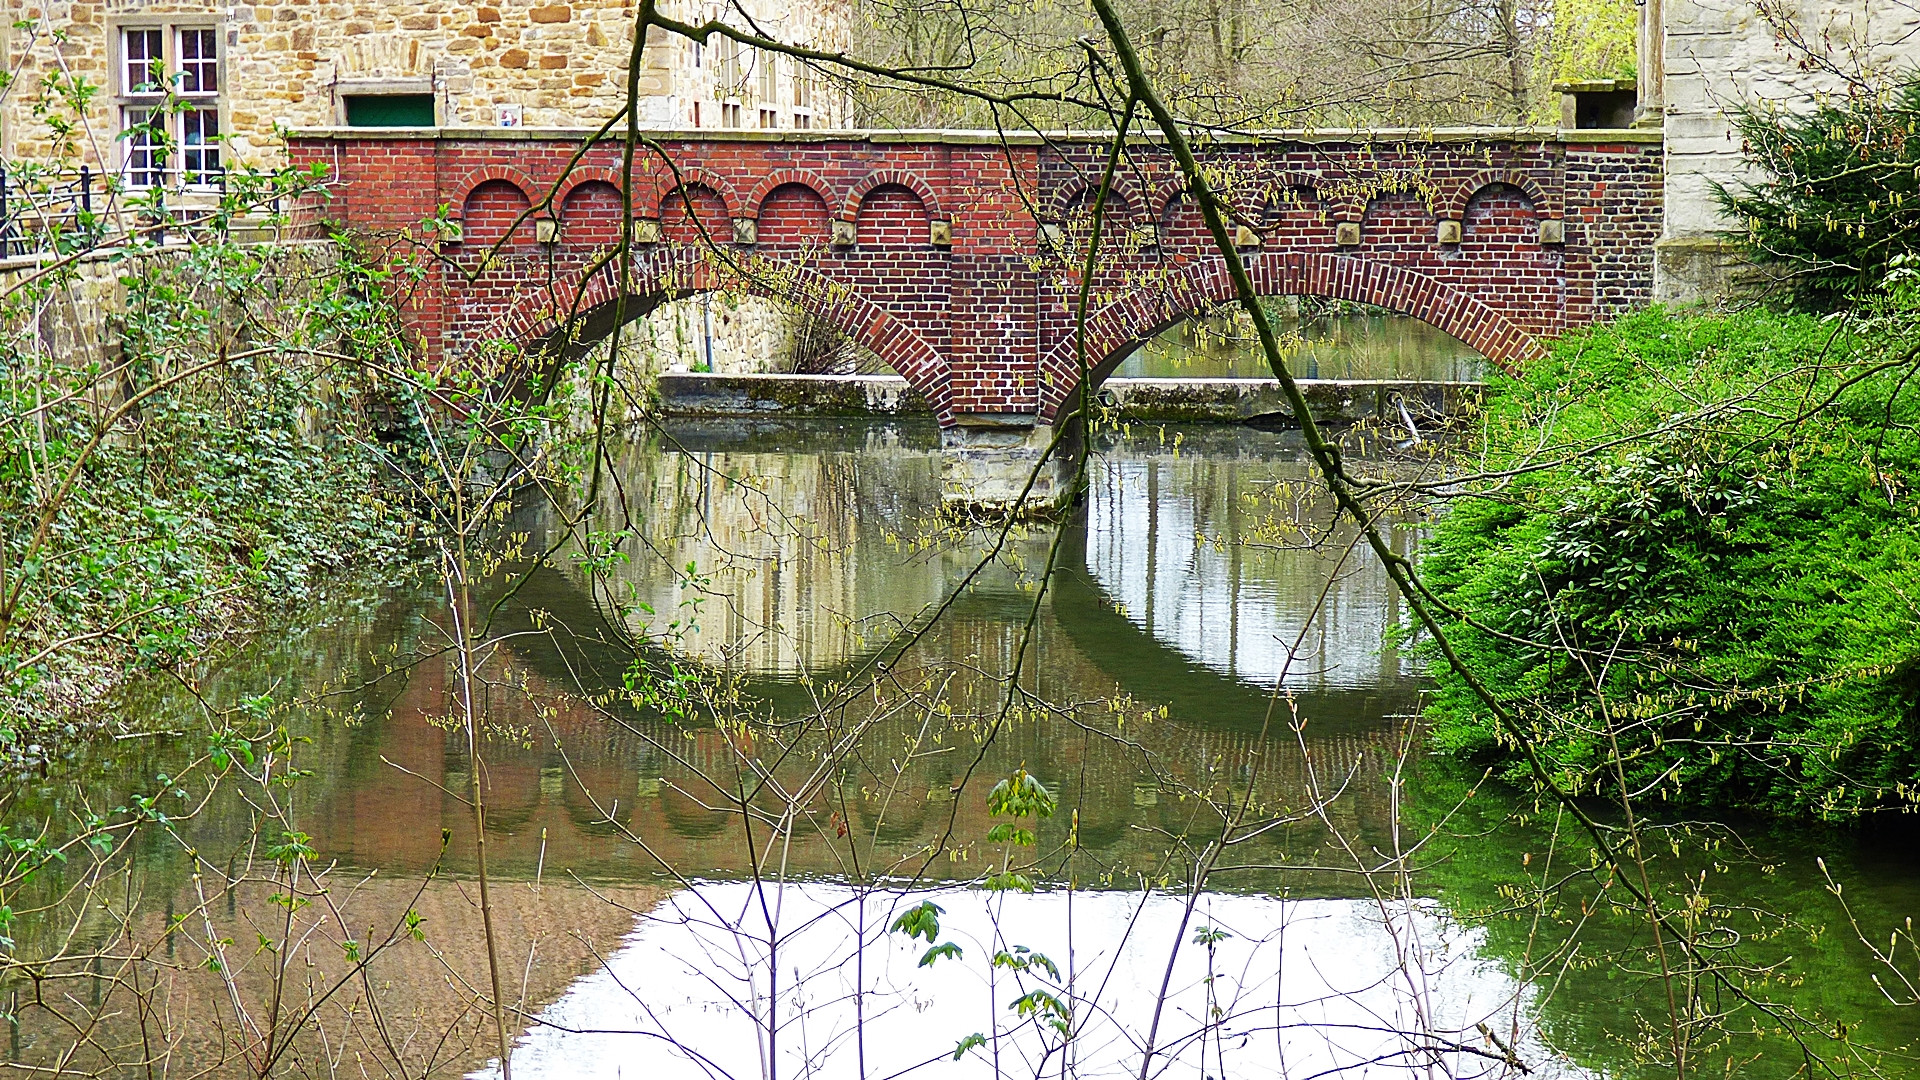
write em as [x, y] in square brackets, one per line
[93, 78]
[1701, 59]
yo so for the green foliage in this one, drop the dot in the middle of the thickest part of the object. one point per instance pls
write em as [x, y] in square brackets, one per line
[1698, 542]
[1840, 194]
[204, 492]
[1594, 39]
[921, 920]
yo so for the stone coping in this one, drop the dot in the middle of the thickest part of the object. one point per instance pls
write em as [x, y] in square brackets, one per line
[1577, 136]
[1217, 400]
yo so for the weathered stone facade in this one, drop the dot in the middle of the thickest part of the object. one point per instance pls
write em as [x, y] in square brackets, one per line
[1720, 54]
[298, 63]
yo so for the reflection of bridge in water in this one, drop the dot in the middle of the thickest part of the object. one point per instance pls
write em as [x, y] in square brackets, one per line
[657, 778]
[809, 560]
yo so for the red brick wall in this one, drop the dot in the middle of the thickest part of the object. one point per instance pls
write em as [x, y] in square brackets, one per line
[986, 324]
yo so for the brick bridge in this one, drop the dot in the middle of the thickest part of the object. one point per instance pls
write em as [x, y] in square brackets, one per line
[950, 255]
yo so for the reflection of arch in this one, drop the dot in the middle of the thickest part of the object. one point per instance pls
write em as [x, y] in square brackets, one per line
[568, 317]
[1454, 206]
[491, 209]
[873, 181]
[1199, 287]
[687, 818]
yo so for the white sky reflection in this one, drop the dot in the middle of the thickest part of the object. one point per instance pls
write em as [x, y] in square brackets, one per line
[1301, 987]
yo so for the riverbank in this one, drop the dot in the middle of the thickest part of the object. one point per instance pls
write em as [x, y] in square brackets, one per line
[1690, 566]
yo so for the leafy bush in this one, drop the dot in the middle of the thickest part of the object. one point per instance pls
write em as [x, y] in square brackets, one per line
[1707, 563]
[1839, 197]
[207, 490]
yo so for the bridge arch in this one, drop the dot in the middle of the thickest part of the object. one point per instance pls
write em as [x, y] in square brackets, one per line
[1136, 317]
[564, 319]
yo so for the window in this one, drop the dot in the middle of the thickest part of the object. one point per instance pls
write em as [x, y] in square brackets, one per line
[803, 89]
[726, 68]
[769, 79]
[145, 56]
[802, 121]
[730, 114]
[389, 110]
[696, 114]
[200, 145]
[146, 155]
[199, 62]
[170, 105]
[769, 118]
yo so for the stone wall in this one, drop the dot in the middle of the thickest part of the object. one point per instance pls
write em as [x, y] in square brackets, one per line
[292, 64]
[1720, 54]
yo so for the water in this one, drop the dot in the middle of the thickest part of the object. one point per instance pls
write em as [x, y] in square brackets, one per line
[1329, 347]
[1221, 641]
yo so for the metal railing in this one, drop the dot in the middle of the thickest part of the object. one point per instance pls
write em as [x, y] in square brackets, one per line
[44, 211]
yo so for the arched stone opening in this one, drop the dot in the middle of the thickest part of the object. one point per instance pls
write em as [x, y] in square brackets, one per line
[564, 324]
[1130, 321]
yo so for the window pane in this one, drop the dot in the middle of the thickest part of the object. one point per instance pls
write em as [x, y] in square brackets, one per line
[200, 146]
[199, 62]
[141, 49]
[146, 156]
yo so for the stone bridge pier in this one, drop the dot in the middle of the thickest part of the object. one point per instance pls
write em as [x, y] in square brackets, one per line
[957, 257]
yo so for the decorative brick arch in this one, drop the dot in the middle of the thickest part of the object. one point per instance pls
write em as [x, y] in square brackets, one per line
[1454, 206]
[1079, 188]
[670, 184]
[850, 209]
[1134, 319]
[678, 271]
[581, 177]
[487, 174]
[1164, 197]
[780, 178]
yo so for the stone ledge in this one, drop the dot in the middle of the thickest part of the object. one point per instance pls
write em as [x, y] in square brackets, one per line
[1651, 137]
[692, 394]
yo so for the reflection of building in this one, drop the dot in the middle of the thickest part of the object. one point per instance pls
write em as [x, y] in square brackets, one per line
[418, 1010]
[1203, 555]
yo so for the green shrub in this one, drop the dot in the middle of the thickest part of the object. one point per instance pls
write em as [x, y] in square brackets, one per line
[243, 487]
[1711, 559]
[1838, 193]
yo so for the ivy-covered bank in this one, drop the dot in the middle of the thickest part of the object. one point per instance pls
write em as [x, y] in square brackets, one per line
[1690, 562]
[217, 459]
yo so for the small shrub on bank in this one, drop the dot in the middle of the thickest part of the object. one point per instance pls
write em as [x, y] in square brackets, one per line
[204, 492]
[1836, 196]
[1696, 550]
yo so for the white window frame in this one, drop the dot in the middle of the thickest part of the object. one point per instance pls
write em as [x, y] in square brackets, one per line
[185, 165]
